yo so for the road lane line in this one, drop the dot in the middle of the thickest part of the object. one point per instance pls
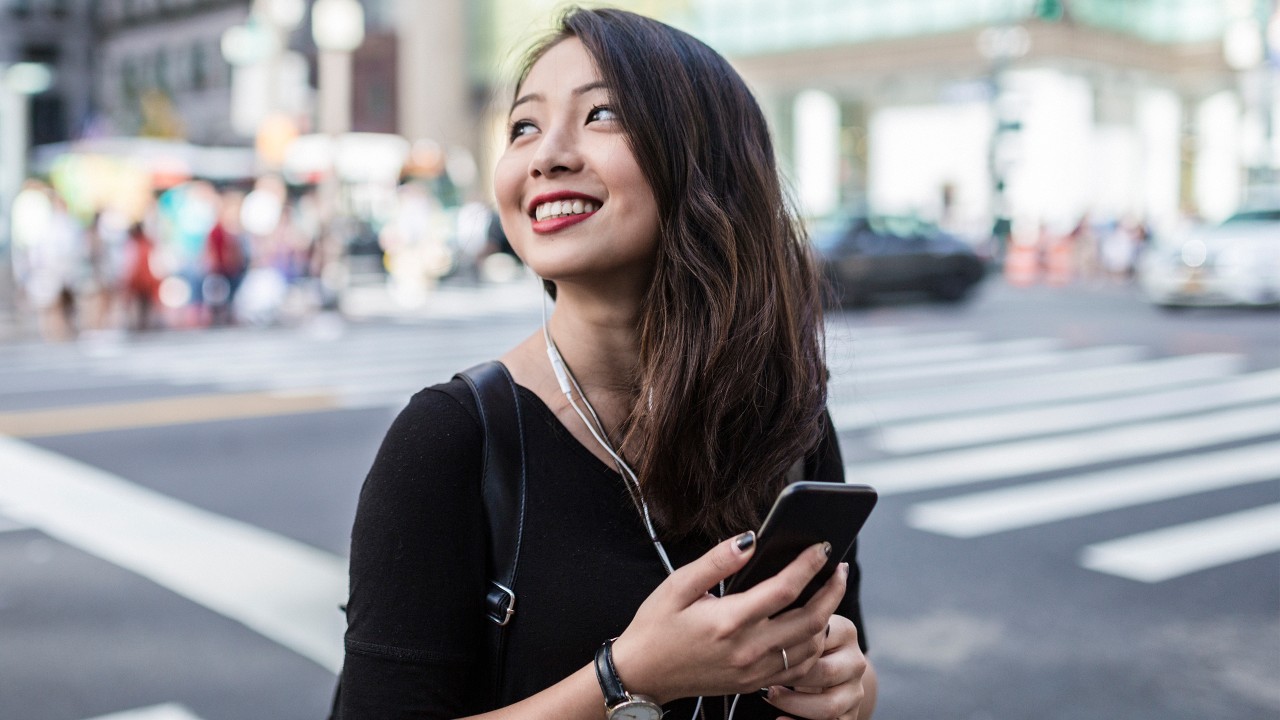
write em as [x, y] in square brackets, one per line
[863, 360]
[1183, 549]
[978, 429]
[281, 588]
[168, 711]
[861, 381]
[1008, 460]
[1071, 384]
[160, 412]
[985, 513]
[10, 525]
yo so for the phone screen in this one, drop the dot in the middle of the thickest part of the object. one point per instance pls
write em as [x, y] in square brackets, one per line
[806, 513]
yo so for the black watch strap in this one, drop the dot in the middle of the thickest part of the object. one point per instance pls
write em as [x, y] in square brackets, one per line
[610, 683]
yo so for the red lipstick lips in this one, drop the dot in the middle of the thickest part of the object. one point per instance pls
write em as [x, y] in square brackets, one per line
[560, 222]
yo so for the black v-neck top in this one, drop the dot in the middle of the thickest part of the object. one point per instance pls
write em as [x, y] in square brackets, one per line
[416, 645]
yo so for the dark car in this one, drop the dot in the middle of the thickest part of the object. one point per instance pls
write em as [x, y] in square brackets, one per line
[865, 257]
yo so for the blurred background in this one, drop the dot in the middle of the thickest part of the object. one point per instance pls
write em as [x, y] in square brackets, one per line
[236, 235]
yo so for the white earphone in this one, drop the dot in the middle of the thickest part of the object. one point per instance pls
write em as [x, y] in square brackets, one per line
[569, 385]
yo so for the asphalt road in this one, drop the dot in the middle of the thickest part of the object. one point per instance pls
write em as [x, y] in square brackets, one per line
[1079, 514]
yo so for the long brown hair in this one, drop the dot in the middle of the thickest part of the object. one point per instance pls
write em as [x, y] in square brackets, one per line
[731, 386]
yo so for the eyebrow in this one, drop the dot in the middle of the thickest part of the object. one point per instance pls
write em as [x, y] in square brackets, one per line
[580, 90]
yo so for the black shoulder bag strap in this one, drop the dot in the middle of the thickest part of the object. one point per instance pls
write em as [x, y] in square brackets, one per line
[503, 486]
[502, 483]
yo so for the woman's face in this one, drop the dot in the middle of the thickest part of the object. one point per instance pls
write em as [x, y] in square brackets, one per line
[572, 199]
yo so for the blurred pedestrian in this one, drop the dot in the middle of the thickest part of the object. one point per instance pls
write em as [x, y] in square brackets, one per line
[102, 285]
[141, 282]
[56, 270]
[639, 182]
[225, 262]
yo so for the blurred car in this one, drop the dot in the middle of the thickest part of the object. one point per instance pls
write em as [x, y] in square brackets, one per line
[1236, 262]
[868, 256]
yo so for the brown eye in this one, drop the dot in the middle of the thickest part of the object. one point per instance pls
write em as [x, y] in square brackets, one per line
[601, 112]
[519, 128]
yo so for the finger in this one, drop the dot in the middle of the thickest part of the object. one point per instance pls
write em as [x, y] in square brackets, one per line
[694, 580]
[840, 701]
[843, 632]
[773, 595]
[803, 624]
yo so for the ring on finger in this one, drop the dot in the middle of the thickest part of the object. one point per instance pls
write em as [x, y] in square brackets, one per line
[786, 664]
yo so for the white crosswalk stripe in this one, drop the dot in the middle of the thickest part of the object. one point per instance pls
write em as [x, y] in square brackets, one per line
[1005, 426]
[1027, 505]
[1010, 460]
[1078, 384]
[1176, 551]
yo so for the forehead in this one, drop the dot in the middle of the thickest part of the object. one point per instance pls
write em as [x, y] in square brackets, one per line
[566, 65]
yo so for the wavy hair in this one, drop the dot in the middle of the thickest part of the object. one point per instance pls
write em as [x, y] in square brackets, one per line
[730, 389]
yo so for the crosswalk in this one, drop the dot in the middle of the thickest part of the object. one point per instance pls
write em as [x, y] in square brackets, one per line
[1001, 435]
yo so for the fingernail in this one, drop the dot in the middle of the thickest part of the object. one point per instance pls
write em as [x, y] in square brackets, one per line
[828, 630]
[844, 570]
[826, 549]
[765, 692]
[745, 541]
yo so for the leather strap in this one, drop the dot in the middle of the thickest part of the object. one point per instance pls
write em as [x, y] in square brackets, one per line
[503, 487]
[607, 674]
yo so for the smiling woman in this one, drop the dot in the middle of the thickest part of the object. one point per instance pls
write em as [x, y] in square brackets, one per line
[676, 389]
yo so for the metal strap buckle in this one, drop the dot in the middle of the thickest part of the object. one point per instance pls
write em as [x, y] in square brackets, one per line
[511, 604]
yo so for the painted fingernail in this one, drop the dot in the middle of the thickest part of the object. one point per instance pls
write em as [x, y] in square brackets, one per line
[745, 541]
[764, 693]
[828, 630]
[826, 549]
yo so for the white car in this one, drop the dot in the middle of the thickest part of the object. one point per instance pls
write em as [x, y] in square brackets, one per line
[1236, 262]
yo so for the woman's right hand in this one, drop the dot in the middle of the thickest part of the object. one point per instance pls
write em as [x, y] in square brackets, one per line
[685, 642]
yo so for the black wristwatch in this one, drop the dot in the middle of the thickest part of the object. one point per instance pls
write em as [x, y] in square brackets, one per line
[620, 704]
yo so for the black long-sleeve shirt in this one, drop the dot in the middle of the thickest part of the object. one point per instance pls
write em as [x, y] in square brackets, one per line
[416, 643]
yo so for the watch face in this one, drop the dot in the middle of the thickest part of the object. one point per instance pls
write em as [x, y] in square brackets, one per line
[636, 710]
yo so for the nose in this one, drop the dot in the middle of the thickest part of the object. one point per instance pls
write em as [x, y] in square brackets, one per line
[557, 153]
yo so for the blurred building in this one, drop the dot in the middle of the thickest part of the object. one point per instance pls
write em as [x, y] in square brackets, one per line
[161, 71]
[1044, 110]
[58, 34]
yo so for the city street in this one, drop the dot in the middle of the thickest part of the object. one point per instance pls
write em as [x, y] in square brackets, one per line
[1079, 515]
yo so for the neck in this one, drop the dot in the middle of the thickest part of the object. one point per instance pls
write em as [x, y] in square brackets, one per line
[599, 340]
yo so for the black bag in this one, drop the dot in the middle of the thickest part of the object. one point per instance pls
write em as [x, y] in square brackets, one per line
[503, 487]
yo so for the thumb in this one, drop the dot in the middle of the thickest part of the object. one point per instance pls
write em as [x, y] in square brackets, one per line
[698, 577]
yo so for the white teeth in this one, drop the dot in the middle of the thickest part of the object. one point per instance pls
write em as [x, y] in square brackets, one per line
[563, 207]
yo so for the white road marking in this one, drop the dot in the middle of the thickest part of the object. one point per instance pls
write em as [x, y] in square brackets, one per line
[1001, 427]
[168, 711]
[283, 589]
[1038, 389]
[949, 372]
[1008, 460]
[1176, 551]
[1024, 506]
[863, 360]
[11, 525]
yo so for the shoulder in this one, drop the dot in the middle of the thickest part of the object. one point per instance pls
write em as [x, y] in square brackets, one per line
[440, 413]
[434, 443]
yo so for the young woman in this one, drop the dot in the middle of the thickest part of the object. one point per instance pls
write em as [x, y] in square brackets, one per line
[639, 181]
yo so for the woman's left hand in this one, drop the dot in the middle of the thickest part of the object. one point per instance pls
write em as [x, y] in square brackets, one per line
[832, 689]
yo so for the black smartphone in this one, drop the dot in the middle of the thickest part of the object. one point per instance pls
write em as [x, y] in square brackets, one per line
[805, 514]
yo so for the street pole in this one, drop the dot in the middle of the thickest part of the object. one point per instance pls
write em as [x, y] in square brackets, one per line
[18, 82]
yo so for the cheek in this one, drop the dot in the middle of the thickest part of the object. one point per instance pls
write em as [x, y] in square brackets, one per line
[507, 177]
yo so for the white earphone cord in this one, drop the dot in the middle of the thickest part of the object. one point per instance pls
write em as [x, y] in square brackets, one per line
[568, 385]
